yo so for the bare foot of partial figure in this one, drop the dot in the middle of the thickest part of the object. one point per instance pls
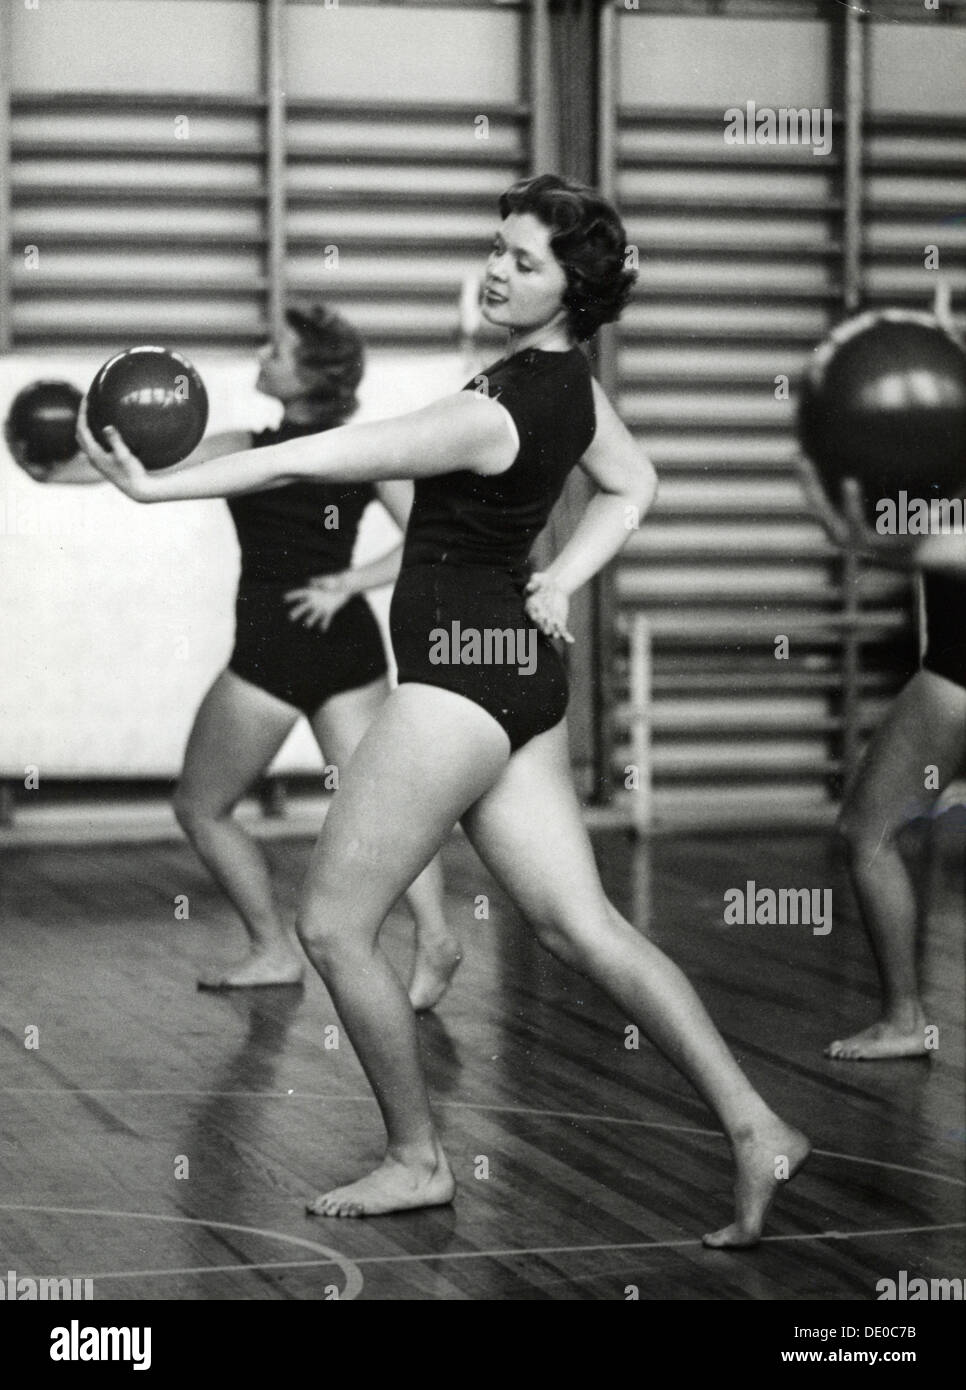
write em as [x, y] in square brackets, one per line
[433, 969]
[394, 1186]
[277, 967]
[766, 1157]
[887, 1038]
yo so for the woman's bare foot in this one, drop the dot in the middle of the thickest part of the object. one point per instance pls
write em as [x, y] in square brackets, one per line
[394, 1186]
[766, 1156]
[433, 969]
[887, 1038]
[275, 967]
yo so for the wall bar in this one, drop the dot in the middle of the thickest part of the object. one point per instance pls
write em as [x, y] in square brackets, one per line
[6, 232]
[275, 163]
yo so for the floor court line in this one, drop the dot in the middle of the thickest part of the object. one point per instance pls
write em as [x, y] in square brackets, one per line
[349, 1268]
[473, 1105]
[516, 1252]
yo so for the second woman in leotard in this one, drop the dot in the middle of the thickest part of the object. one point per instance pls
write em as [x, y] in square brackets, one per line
[476, 730]
[306, 642]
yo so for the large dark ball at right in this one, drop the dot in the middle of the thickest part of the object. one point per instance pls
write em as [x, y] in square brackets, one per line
[884, 402]
[156, 401]
[42, 421]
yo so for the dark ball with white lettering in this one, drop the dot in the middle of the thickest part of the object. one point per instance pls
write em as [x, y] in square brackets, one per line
[884, 402]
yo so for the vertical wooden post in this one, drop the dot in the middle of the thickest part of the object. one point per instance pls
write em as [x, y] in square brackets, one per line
[607, 99]
[854, 83]
[542, 142]
[640, 680]
[852, 290]
[606, 171]
[273, 798]
[604, 585]
[851, 664]
[6, 26]
[273, 37]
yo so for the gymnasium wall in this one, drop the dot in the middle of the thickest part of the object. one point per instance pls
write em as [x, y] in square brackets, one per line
[139, 174]
[212, 46]
[741, 275]
[114, 617]
[145, 236]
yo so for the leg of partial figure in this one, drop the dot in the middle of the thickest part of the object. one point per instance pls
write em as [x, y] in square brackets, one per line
[925, 728]
[237, 732]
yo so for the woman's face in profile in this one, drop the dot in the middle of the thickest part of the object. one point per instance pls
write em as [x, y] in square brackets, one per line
[524, 283]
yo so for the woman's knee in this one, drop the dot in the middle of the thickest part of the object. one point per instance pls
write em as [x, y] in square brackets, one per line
[196, 811]
[330, 939]
[189, 810]
[328, 922]
[315, 930]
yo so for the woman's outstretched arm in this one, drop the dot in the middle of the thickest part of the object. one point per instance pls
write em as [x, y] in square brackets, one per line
[462, 431]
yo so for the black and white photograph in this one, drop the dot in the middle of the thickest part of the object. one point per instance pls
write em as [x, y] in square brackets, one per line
[483, 666]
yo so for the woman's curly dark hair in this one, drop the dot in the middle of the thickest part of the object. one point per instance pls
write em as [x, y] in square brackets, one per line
[331, 359]
[589, 242]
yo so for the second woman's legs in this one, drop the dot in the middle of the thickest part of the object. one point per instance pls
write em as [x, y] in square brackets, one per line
[236, 734]
[925, 729]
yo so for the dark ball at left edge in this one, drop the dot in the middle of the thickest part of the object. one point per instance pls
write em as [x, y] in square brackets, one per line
[42, 422]
[156, 401]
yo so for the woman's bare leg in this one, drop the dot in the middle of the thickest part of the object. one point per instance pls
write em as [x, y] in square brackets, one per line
[925, 727]
[529, 831]
[236, 734]
[339, 726]
[426, 757]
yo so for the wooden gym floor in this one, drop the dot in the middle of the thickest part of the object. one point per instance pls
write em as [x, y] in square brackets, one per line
[583, 1167]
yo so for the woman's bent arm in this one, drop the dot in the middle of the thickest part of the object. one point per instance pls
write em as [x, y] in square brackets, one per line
[627, 487]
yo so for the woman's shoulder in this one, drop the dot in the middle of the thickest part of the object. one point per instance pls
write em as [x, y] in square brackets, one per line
[538, 375]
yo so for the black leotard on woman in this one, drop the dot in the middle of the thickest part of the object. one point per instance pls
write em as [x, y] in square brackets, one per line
[945, 602]
[464, 565]
[288, 535]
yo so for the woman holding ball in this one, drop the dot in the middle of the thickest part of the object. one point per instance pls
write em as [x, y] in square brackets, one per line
[483, 743]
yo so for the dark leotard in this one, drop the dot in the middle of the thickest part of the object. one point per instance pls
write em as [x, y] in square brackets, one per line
[945, 603]
[457, 617]
[287, 535]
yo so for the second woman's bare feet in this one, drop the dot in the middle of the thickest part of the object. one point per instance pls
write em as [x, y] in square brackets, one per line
[434, 966]
[276, 967]
[394, 1186]
[901, 1036]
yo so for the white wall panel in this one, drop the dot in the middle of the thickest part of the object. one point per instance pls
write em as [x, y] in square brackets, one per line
[391, 52]
[136, 45]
